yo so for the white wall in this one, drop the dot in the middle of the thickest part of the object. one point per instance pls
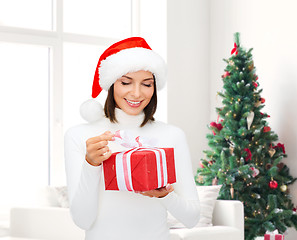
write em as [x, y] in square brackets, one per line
[200, 35]
[188, 75]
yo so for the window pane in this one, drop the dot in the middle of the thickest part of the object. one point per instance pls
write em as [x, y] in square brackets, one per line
[35, 14]
[24, 123]
[79, 69]
[110, 18]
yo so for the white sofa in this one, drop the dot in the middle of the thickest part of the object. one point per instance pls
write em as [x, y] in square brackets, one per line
[54, 223]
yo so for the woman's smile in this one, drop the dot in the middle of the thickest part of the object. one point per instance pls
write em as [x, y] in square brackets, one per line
[133, 103]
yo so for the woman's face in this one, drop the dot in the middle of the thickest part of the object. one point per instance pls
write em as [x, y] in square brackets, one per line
[133, 91]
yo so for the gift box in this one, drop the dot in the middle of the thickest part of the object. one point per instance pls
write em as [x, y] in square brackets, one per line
[139, 169]
[273, 236]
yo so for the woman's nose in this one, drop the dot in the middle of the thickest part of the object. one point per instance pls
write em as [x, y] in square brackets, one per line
[136, 91]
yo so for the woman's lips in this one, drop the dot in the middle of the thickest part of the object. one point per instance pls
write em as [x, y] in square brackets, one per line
[133, 104]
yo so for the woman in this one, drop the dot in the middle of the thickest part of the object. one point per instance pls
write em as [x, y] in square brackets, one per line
[132, 73]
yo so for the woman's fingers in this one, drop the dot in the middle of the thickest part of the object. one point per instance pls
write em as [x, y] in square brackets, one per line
[97, 150]
[107, 136]
[159, 192]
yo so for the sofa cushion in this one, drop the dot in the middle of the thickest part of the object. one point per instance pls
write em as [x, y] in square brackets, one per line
[207, 197]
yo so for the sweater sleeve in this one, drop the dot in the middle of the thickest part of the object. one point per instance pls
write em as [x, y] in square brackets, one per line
[82, 182]
[183, 202]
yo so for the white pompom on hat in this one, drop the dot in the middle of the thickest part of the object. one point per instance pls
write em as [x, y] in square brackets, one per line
[129, 55]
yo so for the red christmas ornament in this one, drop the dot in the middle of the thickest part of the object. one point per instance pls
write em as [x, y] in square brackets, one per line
[249, 154]
[226, 74]
[262, 100]
[255, 84]
[273, 184]
[217, 126]
[294, 209]
[234, 50]
[282, 146]
[201, 165]
[266, 129]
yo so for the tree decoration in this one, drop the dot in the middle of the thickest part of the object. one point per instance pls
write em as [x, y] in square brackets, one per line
[255, 171]
[283, 188]
[280, 166]
[257, 104]
[282, 146]
[226, 74]
[271, 152]
[215, 181]
[250, 119]
[251, 66]
[232, 191]
[273, 184]
[201, 164]
[249, 154]
[231, 149]
[218, 126]
[268, 166]
[234, 50]
[243, 156]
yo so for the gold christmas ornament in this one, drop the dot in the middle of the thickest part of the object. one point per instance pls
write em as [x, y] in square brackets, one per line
[283, 188]
[271, 152]
[215, 181]
[251, 66]
[232, 191]
[231, 150]
[257, 104]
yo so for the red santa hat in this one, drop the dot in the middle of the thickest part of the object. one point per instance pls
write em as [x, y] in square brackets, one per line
[129, 55]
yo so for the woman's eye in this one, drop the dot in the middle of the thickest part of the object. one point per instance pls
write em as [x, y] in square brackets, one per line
[148, 84]
[125, 83]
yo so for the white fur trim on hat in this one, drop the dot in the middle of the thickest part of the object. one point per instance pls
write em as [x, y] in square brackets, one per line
[132, 60]
[91, 110]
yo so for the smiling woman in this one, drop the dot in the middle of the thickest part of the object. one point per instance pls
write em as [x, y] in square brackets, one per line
[132, 73]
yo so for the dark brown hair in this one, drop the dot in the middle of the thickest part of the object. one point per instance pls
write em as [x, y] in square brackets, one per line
[149, 110]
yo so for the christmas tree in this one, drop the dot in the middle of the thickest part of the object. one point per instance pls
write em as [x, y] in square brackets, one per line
[245, 157]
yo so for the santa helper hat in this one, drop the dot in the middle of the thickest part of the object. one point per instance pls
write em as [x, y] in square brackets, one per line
[129, 55]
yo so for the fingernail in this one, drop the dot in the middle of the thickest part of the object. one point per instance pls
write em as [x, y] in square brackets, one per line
[168, 187]
[113, 138]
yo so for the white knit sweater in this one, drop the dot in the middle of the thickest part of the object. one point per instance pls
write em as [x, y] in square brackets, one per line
[127, 215]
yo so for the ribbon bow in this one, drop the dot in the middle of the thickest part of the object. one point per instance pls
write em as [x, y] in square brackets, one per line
[234, 50]
[126, 139]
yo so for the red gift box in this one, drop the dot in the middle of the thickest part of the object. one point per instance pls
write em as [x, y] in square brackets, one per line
[273, 236]
[139, 169]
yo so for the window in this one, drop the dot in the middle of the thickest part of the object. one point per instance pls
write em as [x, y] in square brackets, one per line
[49, 52]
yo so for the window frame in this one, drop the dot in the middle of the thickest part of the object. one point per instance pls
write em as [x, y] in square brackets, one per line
[54, 40]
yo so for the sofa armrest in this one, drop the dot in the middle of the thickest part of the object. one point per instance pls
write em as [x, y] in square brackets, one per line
[229, 213]
[48, 223]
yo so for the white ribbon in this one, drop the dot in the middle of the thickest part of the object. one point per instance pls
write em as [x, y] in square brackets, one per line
[123, 160]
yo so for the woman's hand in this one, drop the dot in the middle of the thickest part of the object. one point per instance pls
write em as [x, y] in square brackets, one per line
[97, 149]
[159, 192]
